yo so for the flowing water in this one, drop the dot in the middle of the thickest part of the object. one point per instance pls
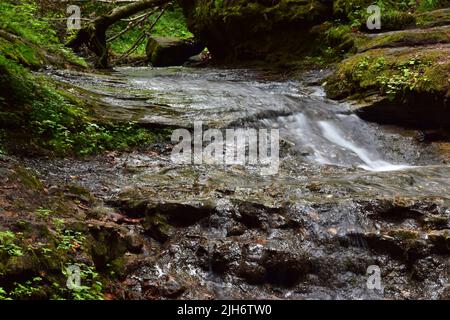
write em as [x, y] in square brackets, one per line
[348, 194]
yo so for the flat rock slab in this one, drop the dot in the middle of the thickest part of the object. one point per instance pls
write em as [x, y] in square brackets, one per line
[178, 96]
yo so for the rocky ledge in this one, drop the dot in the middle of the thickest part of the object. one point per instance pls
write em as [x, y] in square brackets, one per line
[400, 77]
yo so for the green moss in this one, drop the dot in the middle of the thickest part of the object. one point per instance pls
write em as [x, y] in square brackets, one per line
[434, 18]
[396, 15]
[157, 227]
[392, 72]
[409, 39]
[405, 235]
[28, 178]
[21, 53]
[397, 20]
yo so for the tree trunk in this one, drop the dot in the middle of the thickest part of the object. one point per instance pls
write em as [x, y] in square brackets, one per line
[94, 35]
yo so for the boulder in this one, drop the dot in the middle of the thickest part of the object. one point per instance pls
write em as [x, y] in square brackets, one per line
[237, 30]
[163, 52]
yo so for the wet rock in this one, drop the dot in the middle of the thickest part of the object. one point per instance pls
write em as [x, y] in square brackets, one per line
[163, 52]
[223, 256]
[166, 287]
[286, 268]
[446, 293]
[395, 210]
[440, 240]
[107, 244]
[53, 190]
[135, 243]
[182, 214]
[157, 227]
[424, 269]
[401, 244]
[135, 208]
[179, 213]
[236, 230]
[252, 272]
[437, 222]
[254, 215]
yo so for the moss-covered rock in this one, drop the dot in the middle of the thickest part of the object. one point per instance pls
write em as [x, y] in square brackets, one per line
[407, 85]
[434, 18]
[408, 38]
[256, 29]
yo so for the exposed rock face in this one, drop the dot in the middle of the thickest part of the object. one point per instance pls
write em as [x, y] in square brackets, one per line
[163, 52]
[255, 29]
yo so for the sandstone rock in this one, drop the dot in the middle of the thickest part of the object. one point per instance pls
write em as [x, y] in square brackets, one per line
[163, 52]
[405, 86]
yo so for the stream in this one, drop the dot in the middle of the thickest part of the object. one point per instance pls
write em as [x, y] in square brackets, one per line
[348, 194]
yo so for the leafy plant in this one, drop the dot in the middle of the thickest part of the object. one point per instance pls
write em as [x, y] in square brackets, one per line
[26, 290]
[406, 78]
[7, 244]
[70, 240]
[43, 213]
[90, 287]
[3, 295]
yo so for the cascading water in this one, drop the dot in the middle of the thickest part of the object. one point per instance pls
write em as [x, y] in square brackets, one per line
[348, 194]
[337, 141]
[321, 129]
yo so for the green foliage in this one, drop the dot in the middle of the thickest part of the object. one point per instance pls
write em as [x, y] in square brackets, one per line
[57, 120]
[43, 213]
[69, 241]
[27, 289]
[90, 288]
[401, 78]
[3, 295]
[35, 30]
[430, 4]
[171, 24]
[8, 244]
[395, 15]
[399, 75]
[406, 79]
[24, 20]
[62, 251]
[15, 82]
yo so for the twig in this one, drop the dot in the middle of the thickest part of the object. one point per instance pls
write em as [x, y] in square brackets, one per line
[132, 24]
[142, 37]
